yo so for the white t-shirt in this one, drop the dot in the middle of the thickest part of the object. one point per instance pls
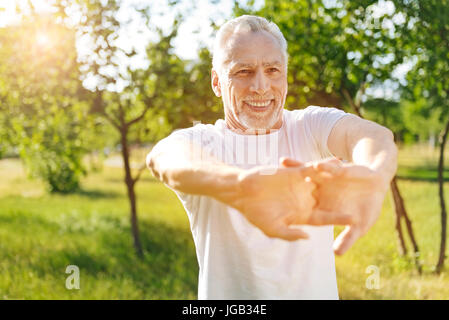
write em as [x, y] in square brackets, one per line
[236, 260]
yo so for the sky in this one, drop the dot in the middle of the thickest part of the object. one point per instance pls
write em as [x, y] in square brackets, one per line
[194, 32]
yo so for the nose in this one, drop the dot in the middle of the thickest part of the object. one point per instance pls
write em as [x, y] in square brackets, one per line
[260, 83]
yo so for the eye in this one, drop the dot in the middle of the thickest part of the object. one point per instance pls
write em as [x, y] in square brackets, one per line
[272, 70]
[244, 71]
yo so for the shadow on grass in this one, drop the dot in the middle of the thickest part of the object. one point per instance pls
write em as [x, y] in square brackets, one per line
[429, 174]
[96, 194]
[148, 179]
[20, 220]
[168, 270]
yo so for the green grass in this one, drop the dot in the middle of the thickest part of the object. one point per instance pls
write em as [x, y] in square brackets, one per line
[379, 247]
[41, 234]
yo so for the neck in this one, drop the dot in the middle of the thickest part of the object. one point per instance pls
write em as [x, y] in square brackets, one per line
[239, 128]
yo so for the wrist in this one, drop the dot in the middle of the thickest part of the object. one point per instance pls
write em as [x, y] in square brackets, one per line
[387, 170]
[383, 163]
[228, 185]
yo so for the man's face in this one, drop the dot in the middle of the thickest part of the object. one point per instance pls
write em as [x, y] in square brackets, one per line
[252, 81]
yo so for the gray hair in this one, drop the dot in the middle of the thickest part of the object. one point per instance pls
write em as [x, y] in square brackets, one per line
[246, 23]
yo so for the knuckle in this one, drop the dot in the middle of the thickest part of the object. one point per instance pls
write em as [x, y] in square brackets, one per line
[312, 202]
[312, 186]
[309, 185]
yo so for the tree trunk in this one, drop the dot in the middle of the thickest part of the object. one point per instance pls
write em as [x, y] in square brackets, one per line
[131, 194]
[442, 255]
[402, 213]
[397, 199]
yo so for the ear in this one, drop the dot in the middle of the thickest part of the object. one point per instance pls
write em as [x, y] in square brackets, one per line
[215, 82]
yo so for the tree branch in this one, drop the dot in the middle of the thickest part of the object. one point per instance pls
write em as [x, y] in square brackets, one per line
[351, 102]
[139, 173]
[111, 120]
[148, 104]
[98, 106]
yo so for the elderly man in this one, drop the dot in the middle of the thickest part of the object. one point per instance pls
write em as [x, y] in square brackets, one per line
[262, 222]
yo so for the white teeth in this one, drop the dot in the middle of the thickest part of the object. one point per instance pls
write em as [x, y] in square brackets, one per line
[259, 104]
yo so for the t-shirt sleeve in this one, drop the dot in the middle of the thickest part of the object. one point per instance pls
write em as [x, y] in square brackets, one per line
[172, 141]
[182, 136]
[193, 139]
[319, 122]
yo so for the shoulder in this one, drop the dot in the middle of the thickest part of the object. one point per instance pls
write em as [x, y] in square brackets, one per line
[313, 113]
[198, 134]
[322, 111]
[196, 129]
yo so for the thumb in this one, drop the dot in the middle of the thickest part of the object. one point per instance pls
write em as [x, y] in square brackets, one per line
[289, 162]
[332, 167]
[291, 233]
[323, 217]
[346, 239]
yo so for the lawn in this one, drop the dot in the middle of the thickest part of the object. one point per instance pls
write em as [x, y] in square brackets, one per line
[41, 234]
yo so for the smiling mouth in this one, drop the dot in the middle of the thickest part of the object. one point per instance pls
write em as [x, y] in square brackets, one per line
[259, 105]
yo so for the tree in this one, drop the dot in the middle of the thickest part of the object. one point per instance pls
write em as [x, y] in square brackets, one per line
[200, 103]
[426, 39]
[147, 104]
[43, 110]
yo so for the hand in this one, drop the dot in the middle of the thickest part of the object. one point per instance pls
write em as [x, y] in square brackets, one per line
[275, 202]
[347, 188]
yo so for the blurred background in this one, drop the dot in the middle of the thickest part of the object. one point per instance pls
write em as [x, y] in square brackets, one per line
[88, 86]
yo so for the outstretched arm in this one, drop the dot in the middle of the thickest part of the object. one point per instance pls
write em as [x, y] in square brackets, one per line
[186, 168]
[270, 202]
[372, 152]
[365, 143]
[358, 187]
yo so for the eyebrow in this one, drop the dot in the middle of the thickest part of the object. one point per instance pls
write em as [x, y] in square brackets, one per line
[251, 65]
[272, 64]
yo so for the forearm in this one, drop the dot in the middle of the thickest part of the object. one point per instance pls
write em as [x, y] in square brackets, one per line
[201, 177]
[378, 152]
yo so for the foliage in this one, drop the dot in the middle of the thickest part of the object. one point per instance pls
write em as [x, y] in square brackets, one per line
[152, 99]
[426, 42]
[200, 103]
[411, 121]
[42, 108]
[426, 38]
[420, 120]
